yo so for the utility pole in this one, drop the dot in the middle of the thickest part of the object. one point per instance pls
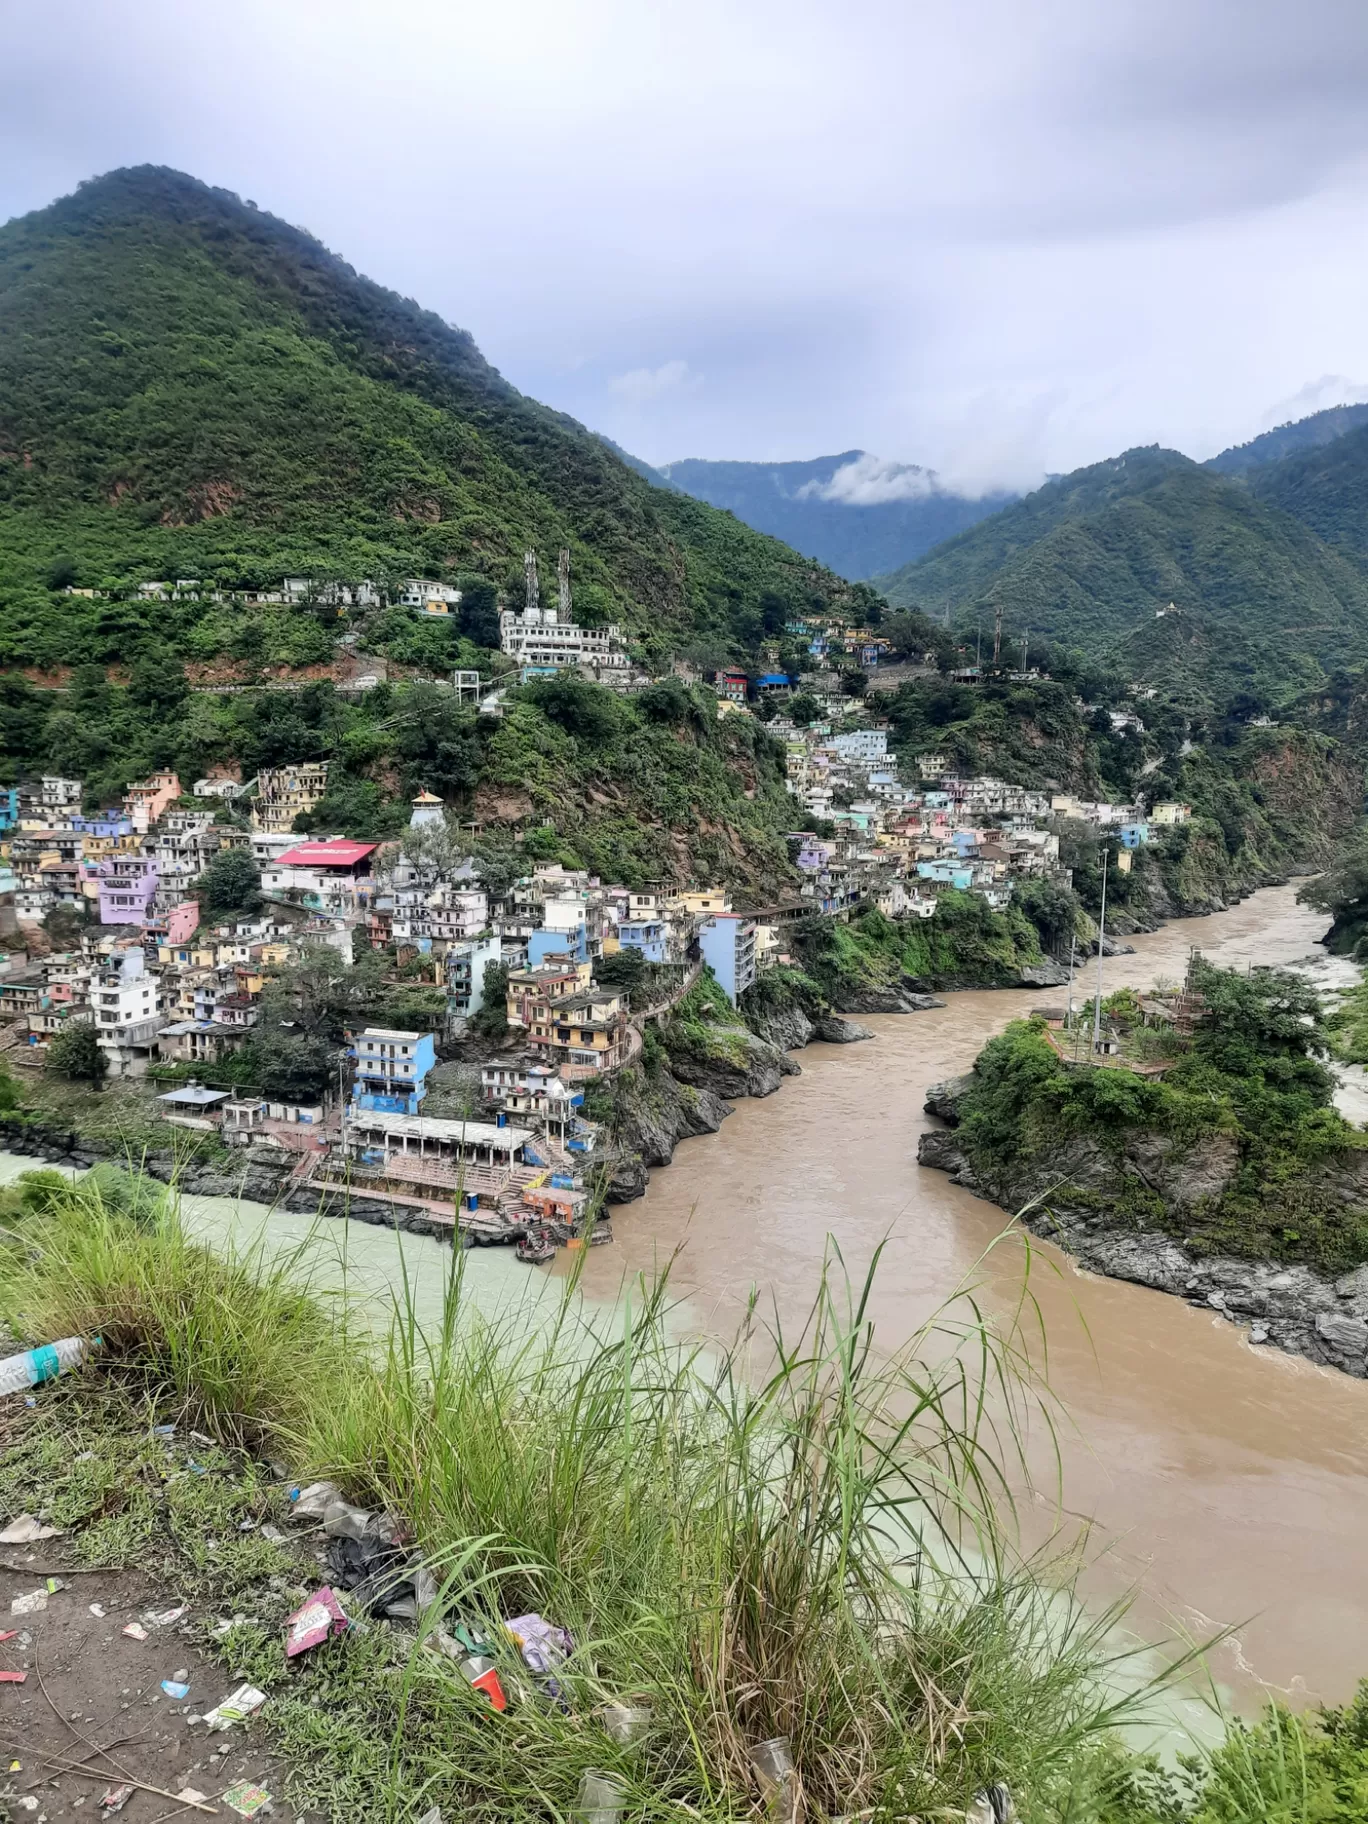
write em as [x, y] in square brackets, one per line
[997, 633]
[1101, 934]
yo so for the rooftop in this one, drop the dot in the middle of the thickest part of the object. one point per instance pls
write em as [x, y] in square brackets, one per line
[338, 852]
[434, 1127]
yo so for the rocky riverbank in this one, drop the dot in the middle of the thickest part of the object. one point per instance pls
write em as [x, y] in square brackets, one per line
[1068, 1200]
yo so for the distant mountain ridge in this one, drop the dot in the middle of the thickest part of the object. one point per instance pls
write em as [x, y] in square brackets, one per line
[1092, 559]
[856, 513]
[1291, 439]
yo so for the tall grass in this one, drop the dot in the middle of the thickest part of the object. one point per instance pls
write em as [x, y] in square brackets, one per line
[796, 1534]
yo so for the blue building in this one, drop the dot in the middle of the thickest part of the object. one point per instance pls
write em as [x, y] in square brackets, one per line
[392, 1070]
[772, 683]
[644, 934]
[1133, 835]
[727, 941]
[573, 942]
[9, 807]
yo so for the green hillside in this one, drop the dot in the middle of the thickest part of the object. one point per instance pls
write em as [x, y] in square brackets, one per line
[1326, 488]
[1290, 439]
[1092, 559]
[190, 387]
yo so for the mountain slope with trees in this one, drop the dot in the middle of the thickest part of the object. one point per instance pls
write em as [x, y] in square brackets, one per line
[1090, 559]
[190, 387]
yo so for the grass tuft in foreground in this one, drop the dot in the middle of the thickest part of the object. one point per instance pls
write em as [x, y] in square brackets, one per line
[796, 1535]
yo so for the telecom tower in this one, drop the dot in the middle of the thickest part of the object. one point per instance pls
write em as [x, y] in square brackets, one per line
[563, 583]
[997, 633]
[532, 603]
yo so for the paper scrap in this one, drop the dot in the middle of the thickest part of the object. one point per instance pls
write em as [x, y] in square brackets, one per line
[115, 1799]
[314, 1622]
[32, 1604]
[247, 1800]
[8, 1633]
[25, 1530]
[12, 1678]
[235, 1708]
[97, 1610]
[134, 1632]
[189, 1796]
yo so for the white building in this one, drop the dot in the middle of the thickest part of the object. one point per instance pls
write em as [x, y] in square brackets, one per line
[434, 598]
[128, 1014]
[864, 744]
[538, 640]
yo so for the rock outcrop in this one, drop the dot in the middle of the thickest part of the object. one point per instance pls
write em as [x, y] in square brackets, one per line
[654, 1112]
[1294, 1307]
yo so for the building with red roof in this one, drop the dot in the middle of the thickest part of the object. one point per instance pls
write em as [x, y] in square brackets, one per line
[330, 875]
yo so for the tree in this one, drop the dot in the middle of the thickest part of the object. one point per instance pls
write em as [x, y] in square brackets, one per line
[479, 611]
[626, 968]
[492, 1019]
[804, 709]
[75, 1053]
[63, 926]
[157, 683]
[854, 684]
[230, 887]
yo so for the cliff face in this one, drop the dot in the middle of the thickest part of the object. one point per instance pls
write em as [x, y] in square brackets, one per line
[1089, 1196]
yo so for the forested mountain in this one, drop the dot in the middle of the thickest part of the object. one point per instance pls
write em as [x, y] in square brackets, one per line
[1093, 558]
[853, 512]
[1290, 439]
[190, 387]
[1327, 488]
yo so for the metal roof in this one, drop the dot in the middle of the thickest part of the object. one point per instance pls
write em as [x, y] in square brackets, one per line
[338, 853]
[434, 1127]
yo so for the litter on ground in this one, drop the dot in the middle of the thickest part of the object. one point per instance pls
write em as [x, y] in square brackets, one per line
[315, 1621]
[115, 1799]
[135, 1632]
[247, 1800]
[9, 1634]
[163, 1618]
[97, 1610]
[12, 1678]
[26, 1530]
[176, 1688]
[32, 1604]
[189, 1796]
[235, 1708]
[312, 1503]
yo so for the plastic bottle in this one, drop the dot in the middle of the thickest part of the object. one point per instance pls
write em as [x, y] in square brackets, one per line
[32, 1366]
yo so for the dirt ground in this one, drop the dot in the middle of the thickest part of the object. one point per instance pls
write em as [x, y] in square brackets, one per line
[91, 1714]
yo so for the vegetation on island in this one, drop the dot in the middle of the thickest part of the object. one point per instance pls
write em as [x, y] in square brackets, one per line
[1251, 1079]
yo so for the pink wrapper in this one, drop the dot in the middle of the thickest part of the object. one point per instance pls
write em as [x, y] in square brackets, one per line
[314, 1622]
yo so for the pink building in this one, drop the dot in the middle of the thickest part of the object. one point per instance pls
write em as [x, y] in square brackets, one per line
[146, 799]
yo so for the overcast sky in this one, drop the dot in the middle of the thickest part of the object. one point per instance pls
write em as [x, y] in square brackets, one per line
[994, 237]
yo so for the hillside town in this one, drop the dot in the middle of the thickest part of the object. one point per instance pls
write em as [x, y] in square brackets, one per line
[103, 927]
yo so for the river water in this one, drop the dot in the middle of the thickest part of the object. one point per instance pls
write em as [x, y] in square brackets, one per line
[1223, 1483]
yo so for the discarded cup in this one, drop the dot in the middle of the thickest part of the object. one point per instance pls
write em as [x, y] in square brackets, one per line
[484, 1678]
[627, 1724]
[312, 1503]
[602, 1799]
[778, 1776]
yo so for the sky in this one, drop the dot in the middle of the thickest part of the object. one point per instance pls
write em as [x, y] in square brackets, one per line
[995, 239]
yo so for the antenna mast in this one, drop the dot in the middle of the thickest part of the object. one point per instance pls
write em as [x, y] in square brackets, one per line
[533, 598]
[563, 583]
[1101, 938]
[997, 633]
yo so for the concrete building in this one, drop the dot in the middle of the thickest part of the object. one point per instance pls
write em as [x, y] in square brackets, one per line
[127, 885]
[537, 640]
[128, 1014]
[392, 1070]
[727, 941]
[431, 597]
[582, 1035]
[330, 876]
[146, 799]
[283, 792]
[466, 963]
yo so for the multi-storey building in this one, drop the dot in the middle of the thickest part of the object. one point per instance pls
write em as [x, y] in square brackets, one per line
[392, 1069]
[283, 792]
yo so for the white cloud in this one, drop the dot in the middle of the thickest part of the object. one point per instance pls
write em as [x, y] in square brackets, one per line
[872, 481]
[640, 385]
[1315, 396]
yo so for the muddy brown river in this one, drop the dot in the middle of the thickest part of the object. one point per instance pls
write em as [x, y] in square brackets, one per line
[1227, 1482]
